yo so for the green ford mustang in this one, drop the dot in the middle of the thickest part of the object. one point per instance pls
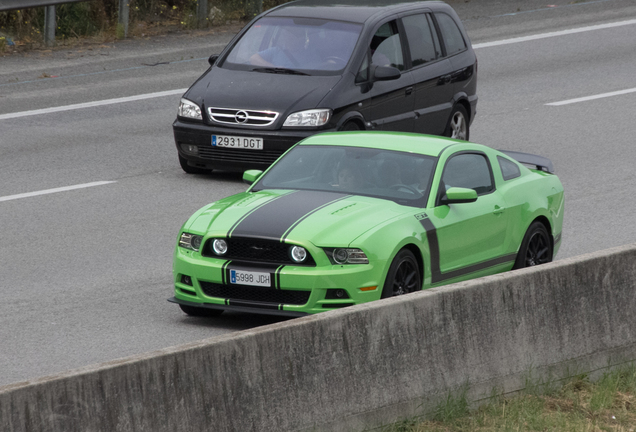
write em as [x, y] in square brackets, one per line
[350, 217]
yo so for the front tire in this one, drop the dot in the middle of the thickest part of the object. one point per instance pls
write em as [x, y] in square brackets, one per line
[350, 126]
[536, 247]
[404, 275]
[458, 127]
[200, 312]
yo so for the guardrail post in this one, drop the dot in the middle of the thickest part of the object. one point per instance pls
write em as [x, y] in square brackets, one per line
[49, 25]
[253, 8]
[202, 13]
[122, 20]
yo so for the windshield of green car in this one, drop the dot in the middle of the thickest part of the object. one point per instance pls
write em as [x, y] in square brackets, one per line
[294, 45]
[398, 176]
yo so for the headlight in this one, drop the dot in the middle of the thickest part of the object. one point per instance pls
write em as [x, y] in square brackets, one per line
[190, 241]
[189, 109]
[347, 256]
[309, 118]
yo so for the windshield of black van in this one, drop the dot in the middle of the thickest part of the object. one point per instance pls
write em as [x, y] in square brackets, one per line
[314, 46]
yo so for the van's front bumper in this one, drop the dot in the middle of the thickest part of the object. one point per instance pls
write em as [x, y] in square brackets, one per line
[194, 144]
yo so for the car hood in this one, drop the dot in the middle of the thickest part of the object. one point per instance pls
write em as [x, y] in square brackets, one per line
[322, 218]
[283, 93]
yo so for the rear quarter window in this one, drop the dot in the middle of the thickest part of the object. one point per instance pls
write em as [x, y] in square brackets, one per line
[509, 169]
[453, 39]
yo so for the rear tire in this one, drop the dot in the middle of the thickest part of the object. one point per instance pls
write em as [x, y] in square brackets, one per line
[190, 169]
[404, 275]
[458, 127]
[200, 312]
[536, 247]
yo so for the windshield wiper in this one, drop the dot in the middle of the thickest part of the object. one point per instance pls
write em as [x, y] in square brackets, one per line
[280, 71]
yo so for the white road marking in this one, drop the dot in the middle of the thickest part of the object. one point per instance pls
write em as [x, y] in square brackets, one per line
[589, 98]
[55, 190]
[553, 34]
[92, 104]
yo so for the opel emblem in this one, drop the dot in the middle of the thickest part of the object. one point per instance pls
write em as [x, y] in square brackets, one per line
[241, 116]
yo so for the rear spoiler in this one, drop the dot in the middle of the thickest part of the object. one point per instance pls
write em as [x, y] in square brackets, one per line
[542, 163]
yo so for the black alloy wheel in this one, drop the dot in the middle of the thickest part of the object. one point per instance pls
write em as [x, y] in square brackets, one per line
[404, 275]
[536, 247]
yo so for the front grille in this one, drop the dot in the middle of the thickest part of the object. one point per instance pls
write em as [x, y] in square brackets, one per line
[256, 250]
[239, 155]
[235, 116]
[263, 295]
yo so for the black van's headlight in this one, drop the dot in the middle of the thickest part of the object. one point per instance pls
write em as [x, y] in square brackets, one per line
[189, 109]
[309, 118]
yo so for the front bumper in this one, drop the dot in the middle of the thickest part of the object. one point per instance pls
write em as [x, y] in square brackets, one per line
[206, 156]
[295, 291]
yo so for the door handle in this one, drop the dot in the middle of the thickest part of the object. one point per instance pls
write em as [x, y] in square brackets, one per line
[498, 210]
[408, 91]
[445, 79]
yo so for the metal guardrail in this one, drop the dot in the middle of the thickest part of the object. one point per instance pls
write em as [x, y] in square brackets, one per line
[6, 5]
[49, 14]
[253, 6]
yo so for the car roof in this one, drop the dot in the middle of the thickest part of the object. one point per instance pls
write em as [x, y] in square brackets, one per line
[350, 10]
[399, 141]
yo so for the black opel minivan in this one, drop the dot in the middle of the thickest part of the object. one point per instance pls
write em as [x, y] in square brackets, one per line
[312, 66]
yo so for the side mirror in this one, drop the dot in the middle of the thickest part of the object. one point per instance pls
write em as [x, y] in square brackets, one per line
[251, 176]
[457, 195]
[385, 73]
[213, 59]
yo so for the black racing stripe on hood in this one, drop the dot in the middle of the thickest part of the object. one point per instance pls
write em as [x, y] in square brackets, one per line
[272, 220]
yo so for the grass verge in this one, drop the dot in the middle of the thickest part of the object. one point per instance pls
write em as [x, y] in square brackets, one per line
[580, 405]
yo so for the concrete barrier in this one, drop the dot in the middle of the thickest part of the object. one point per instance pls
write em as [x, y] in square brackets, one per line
[359, 367]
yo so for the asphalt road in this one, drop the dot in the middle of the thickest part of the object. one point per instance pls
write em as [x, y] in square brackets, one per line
[85, 273]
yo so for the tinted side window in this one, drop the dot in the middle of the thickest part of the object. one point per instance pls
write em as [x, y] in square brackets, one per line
[386, 47]
[423, 43]
[452, 36]
[385, 50]
[468, 170]
[509, 169]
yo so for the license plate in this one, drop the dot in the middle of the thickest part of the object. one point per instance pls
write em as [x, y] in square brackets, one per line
[241, 277]
[238, 142]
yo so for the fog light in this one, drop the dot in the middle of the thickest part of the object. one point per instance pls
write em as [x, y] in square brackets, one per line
[190, 148]
[219, 246]
[187, 280]
[336, 294]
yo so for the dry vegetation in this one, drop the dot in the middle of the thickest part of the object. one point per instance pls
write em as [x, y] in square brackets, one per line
[95, 21]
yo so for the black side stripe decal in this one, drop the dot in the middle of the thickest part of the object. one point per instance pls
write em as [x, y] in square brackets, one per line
[275, 218]
[436, 273]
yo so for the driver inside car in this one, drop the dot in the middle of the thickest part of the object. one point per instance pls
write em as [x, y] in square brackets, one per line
[292, 51]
